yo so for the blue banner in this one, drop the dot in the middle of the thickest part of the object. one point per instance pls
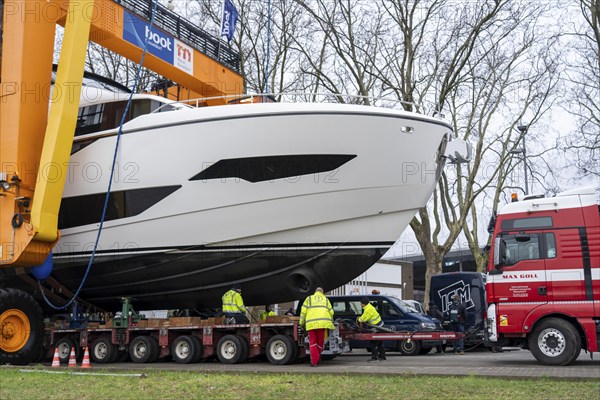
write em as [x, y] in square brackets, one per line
[229, 19]
[136, 31]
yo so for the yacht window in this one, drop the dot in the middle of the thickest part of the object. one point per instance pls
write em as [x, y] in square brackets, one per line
[105, 116]
[268, 168]
[87, 209]
[89, 119]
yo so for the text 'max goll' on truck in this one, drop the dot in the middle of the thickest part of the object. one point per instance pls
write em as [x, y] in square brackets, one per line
[543, 284]
[470, 286]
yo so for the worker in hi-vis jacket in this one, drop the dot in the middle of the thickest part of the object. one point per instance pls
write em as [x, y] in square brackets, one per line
[316, 317]
[267, 313]
[370, 316]
[233, 305]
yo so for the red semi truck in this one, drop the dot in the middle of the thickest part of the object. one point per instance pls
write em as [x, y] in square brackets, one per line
[543, 285]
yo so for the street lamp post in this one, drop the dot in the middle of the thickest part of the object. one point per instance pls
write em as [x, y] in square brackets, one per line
[523, 151]
[523, 130]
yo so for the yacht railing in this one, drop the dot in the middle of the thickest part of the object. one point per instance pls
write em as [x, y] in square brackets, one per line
[295, 97]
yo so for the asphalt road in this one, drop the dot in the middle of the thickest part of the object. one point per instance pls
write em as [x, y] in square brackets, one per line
[512, 363]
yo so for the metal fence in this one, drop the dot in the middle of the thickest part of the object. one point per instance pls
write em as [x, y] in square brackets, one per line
[185, 31]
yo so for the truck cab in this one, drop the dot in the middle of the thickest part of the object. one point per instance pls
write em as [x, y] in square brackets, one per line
[543, 286]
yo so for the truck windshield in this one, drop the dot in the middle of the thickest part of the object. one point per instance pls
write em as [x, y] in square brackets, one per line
[515, 251]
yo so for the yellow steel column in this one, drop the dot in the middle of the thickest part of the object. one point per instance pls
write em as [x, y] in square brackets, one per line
[27, 49]
[61, 121]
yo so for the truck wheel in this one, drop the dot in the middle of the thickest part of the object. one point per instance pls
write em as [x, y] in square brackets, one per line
[232, 349]
[64, 346]
[103, 351]
[184, 350]
[143, 349]
[281, 350]
[555, 341]
[409, 348]
[21, 327]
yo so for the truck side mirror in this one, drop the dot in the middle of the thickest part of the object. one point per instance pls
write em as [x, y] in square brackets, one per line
[499, 255]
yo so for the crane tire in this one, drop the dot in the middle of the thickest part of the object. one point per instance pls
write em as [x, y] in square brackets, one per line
[21, 327]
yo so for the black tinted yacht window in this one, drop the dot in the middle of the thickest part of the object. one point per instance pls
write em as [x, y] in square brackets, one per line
[84, 210]
[99, 117]
[260, 169]
[105, 116]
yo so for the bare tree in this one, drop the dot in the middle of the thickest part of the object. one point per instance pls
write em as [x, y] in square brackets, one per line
[104, 62]
[485, 64]
[350, 32]
[583, 83]
[261, 31]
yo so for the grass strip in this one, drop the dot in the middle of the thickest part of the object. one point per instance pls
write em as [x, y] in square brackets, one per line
[199, 385]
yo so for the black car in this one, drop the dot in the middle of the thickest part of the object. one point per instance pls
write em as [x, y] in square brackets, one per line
[396, 315]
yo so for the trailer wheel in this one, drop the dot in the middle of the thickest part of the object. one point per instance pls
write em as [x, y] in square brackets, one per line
[555, 342]
[185, 350]
[200, 348]
[232, 349]
[103, 351]
[143, 349]
[281, 350]
[64, 346]
[409, 348]
[21, 327]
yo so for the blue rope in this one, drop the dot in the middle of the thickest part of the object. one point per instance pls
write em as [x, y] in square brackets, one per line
[112, 172]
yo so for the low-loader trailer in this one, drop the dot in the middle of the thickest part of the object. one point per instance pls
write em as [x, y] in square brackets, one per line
[191, 339]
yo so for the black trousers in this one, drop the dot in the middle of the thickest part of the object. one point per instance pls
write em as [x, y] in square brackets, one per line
[377, 349]
[240, 318]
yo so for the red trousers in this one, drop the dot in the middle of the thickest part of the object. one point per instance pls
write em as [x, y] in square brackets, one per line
[316, 338]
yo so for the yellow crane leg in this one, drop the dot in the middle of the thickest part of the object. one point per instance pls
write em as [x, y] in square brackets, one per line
[39, 169]
[27, 50]
[62, 120]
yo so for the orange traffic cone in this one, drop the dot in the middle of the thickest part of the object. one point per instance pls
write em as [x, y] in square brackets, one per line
[56, 359]
[86, 359]
[72, 362]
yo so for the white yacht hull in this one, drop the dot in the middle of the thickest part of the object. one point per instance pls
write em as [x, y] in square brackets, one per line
[279, 236]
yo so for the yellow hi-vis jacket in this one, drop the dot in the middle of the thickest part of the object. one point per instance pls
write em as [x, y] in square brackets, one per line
[370, 315]
[317, 313]
[233, 303]
[264, 314]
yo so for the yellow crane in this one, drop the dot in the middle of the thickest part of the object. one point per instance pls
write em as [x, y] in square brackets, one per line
[36, 141]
